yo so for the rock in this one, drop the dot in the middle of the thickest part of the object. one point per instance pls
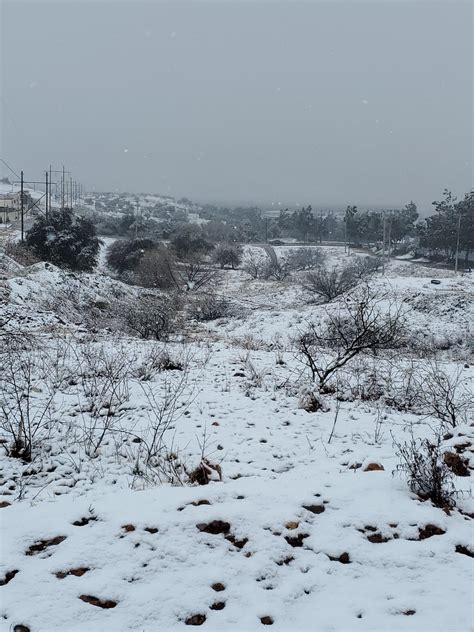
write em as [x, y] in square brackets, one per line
[77, 572]
[456, 464]
[218, 587]
[292, 525]
[464, 550]
[429, 531]
[215, 527]
[100, 603]
[9, 575]
[343, 558]
[195, 619]
[266, 620]
[296, 540]
[316, 509]
[373, 467]
[44, 544]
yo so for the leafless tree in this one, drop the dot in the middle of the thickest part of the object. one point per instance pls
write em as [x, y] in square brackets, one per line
[448, 397]
[360, 325]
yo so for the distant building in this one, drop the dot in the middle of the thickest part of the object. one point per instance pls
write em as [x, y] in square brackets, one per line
[10, 206]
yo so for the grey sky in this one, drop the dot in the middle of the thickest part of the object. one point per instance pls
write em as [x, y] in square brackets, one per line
[317, 102]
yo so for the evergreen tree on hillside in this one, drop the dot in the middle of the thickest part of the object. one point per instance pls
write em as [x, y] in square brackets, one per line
[67, 240]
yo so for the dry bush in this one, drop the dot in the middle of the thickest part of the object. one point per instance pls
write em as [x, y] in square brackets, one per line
[26, 400]
[194, 275]
[157, 269]
[254, 265]
[20, 253]
[447, 397]
[210, 306]
[152, 317]
[276, 270]
[329, 284]
[301, 259]
[104, 374]
[428, 475]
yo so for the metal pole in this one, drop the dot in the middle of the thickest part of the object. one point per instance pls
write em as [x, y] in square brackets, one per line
[50, 181]
[62, 192]
[47, 195]
[22, 210]
[383, 246]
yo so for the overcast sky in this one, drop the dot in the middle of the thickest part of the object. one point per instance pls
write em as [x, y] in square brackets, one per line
[328, 103]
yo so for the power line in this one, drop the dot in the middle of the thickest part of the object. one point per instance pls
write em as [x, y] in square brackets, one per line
[8, 167]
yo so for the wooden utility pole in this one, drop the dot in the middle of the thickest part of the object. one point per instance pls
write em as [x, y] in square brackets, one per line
[457, 245]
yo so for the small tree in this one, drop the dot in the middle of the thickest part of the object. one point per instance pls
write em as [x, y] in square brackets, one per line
[65, 239]
[228, 255]
[126, 254]
[157, 269]
[189, 241]
[359, 327]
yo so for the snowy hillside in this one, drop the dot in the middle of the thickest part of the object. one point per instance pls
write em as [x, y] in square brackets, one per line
[306, 521]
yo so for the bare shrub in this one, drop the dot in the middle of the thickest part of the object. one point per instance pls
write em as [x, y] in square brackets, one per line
[168, 401]
[104, 380]
[152, 317]
[444, 396]
[156, 360]
[157, 269]
[194, 275]
[329, 284]
[26, 402]
[210, 306]
[20, 252]
[276, 270]
[365, 267]
[428, 475]
[361, 326]
[254, 265]
[301, 259]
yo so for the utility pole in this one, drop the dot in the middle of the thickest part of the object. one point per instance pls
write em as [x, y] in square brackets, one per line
[62, 191]
[22, 209]
[457, 244]
[383, 246]
[50, 181]
[389, 236]
[47, 194]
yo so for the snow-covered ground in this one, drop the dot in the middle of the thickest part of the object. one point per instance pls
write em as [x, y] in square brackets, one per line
[304, 532]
